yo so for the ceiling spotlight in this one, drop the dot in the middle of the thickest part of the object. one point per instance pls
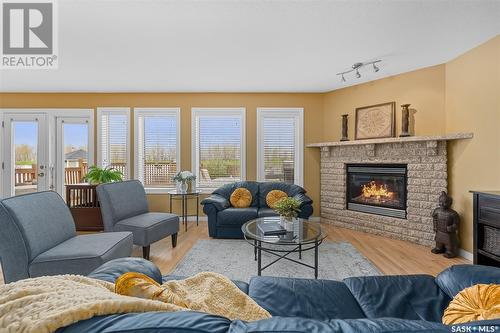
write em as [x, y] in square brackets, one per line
[355, 68]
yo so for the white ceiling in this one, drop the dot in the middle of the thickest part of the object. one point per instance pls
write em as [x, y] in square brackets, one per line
[250, 46]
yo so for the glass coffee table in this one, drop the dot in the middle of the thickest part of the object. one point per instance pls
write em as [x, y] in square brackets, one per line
[306, 235]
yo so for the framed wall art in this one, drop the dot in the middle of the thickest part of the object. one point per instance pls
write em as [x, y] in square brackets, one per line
[375, 121]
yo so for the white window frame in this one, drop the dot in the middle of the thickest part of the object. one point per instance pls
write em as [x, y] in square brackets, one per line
[111, 110]
[176, 111]
[216, 112]
[285, 112]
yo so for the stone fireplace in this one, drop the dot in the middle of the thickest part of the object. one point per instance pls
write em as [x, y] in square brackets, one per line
[386, 187]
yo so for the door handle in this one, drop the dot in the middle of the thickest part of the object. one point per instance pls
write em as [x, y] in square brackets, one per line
[41, 174]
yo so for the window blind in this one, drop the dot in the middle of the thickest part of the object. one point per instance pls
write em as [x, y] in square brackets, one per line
[279, 148]
[157, 148]
[218, 149]
[114, 140]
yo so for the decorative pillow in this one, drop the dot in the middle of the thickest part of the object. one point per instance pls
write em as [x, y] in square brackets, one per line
[479, 302]
[274, 196]
[241, 198]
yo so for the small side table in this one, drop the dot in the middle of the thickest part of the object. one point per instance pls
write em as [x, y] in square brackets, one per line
[184, 196]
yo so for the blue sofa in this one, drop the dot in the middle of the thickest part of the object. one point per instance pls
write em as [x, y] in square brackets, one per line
[225, 221]
[405, 303]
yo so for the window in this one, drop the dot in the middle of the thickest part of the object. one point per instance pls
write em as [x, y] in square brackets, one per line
[113, 133]
[218, 146]
[157, 146]
[280, 145]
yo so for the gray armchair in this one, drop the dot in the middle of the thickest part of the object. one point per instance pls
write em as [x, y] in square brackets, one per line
[124, 207]
[38, 237]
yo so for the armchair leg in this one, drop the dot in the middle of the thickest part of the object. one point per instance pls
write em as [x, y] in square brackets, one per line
[145, 252]
[174, 240]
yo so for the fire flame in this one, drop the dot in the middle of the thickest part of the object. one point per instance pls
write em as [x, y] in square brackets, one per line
[372, 190]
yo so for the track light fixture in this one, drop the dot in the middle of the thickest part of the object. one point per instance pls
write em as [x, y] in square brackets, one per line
[355, 68]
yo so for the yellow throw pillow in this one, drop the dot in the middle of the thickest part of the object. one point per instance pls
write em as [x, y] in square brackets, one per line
[241, 198]
[479, 302]
[274, 196]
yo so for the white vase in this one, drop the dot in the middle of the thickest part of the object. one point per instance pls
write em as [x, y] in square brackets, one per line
[286, 223]
[181, 187]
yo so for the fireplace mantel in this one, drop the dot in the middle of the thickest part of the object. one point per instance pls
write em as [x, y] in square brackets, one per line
[444, 137]
[426, 161]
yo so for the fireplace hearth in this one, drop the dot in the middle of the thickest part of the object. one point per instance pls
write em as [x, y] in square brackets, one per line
[377, 189]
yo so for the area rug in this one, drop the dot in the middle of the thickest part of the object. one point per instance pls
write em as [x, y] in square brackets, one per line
[235, 259]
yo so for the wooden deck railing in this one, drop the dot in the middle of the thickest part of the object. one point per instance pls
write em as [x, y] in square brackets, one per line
[72, 175]
[155, 173]
[25, 176]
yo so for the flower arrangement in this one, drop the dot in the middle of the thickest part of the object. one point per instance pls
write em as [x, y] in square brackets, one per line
[97, 175]
[288, 207]
[184, 177]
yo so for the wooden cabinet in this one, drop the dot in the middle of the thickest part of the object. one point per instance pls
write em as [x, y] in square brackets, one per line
[84, 206]
[487, 228]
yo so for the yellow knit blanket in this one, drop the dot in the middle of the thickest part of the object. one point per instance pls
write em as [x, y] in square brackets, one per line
[45, 304]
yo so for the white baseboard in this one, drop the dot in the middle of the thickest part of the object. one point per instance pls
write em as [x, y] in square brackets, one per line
[205, 219]
[465, 254]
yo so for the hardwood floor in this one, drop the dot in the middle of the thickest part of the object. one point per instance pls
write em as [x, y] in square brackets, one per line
[390, 256]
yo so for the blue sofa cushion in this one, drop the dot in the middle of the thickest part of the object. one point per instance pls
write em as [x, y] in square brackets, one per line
[219, 202]
[43, 218]
[226, 190]
[236, 216]
[414, 297]
[82, 254]
[456, 278]
[111, 270]
[243, 286]
[295, 325]
[151, 322]
[148, 228]
[265, 212]
[266, 187]
[317, 299]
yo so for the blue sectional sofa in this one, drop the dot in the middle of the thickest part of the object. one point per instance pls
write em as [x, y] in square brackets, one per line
[404, 303]
[225, 221]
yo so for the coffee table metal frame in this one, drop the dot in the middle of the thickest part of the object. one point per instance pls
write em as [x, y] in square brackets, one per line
[283, 253]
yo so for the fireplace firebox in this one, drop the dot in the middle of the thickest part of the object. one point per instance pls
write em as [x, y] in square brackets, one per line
[377, 189]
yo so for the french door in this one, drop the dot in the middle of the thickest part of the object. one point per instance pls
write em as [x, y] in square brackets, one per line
[45, 149]
[26, 152]
[74, 151]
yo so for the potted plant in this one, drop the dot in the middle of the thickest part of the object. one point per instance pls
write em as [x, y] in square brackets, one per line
[289, 209]
[97, 175]
[182, 178]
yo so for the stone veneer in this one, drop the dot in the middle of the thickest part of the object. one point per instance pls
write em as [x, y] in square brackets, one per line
[427, 177]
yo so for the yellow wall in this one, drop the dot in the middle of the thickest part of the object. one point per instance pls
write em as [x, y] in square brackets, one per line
[423, 89]
[312, 104]
[473, 104]
[459, 96]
